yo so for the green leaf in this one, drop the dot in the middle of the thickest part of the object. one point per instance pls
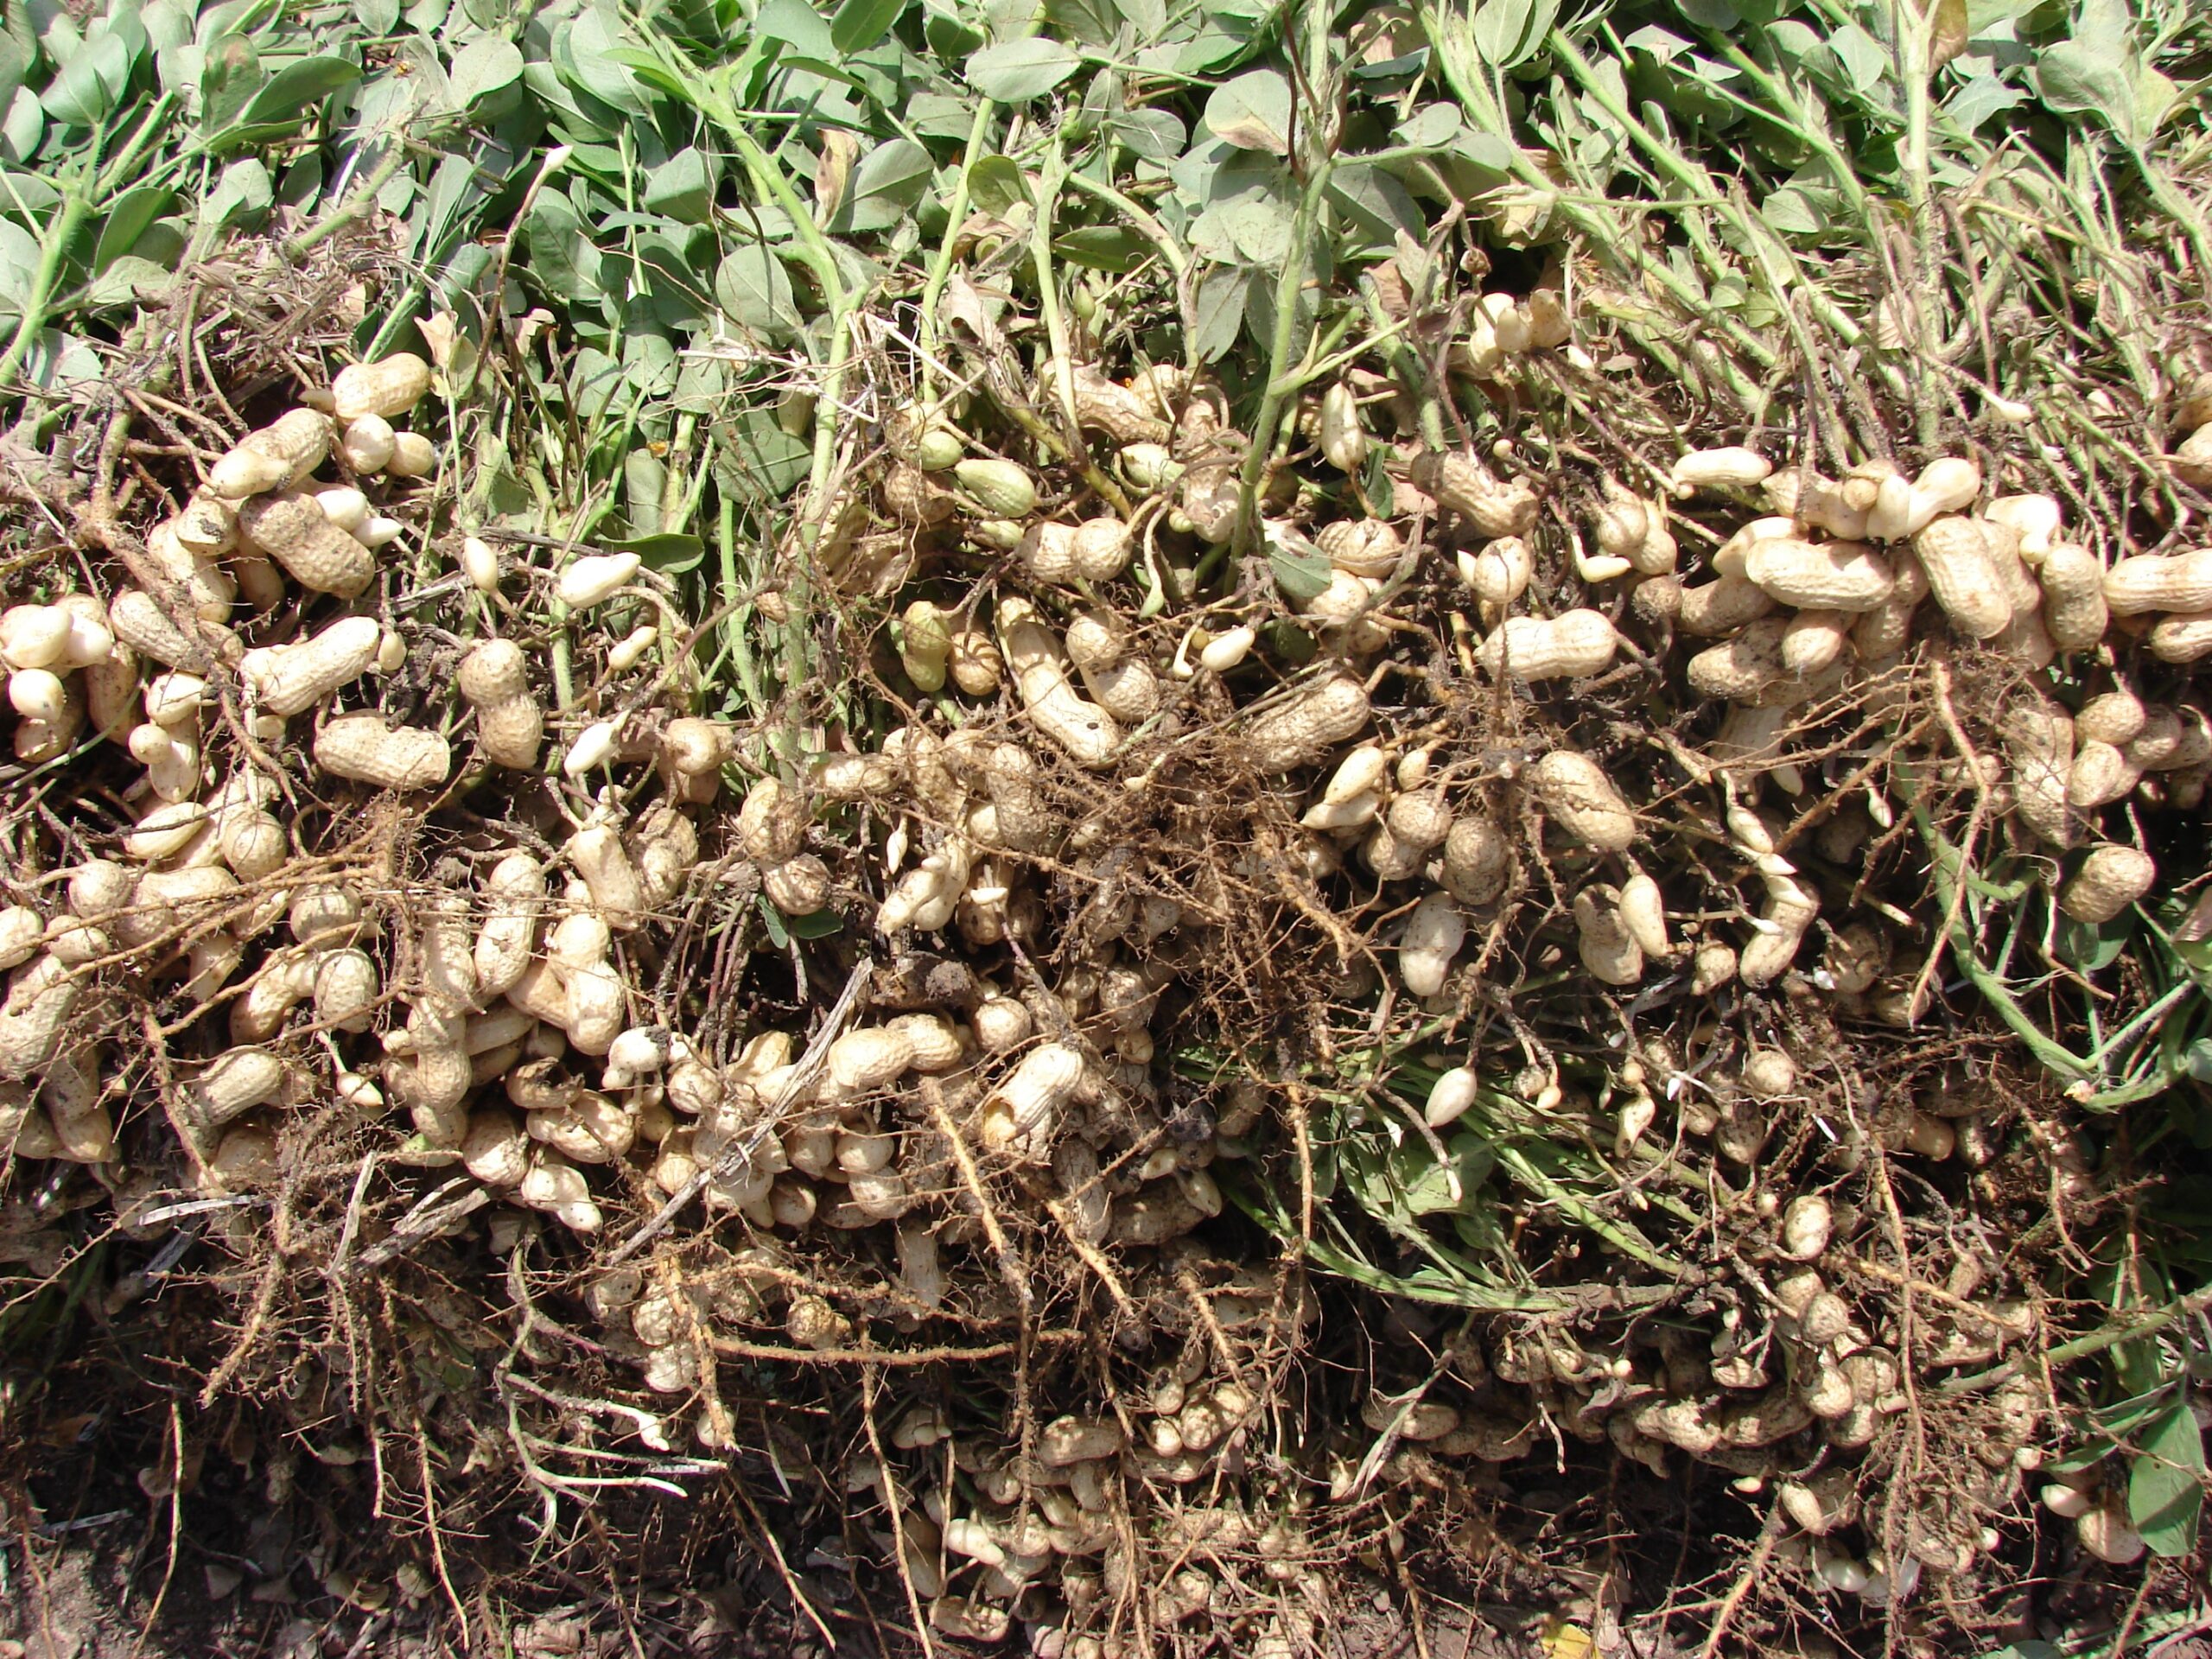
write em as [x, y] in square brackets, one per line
[1302, 569]
[229, 77]
[860, 24]
[290, 95]
[1509, 32]
[996, 186]
[1013, 72]
[752, 286]
[2165, 1482]
[240, 198]
[126, 221]
[91, 82]
[682, 187]
[668, 551]
[129, 280]
[1253, 112]
[758, 461]
[19, 263]
[2082, 78]
[1103, 247]
[25, 126]
[487, 65]
[886, 185]
[562, 256]
[1220, 308]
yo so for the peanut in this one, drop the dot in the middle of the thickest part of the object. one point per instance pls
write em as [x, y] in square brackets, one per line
[1582, 800]
[1964, 575]
[2110, 878]
[510, 725]
[1086, 732]
[291, 529]
[275, 457]
[389, 387]
[2160, 581]
[1572, 645]
[368, 749]
[288, 679]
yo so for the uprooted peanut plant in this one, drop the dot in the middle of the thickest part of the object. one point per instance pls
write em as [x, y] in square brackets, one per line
[1261, 976]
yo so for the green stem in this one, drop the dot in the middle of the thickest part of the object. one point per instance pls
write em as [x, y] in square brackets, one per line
[60, 231]
[1289, 284]
[1048, 290]
[979, 134]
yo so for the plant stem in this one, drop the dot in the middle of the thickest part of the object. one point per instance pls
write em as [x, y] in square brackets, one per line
[941, 267]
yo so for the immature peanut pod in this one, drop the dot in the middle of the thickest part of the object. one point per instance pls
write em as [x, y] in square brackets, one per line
[389, 387]
[368, 750]
[1004, 489]
[1732, 468]
[274, 458]
[287, 679]
[291, 529]
[598, 857]
[594, 578]
[1572, 645]
[1582, 800]
[1344, 441]
[366, 448]
[1644, 913]
[924, 642]
[1022, 1116]
[1088, 733]
[1434, 932]
[509, 726]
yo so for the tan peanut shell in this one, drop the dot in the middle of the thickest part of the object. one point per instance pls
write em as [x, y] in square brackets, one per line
[368, 749]
[1086, 732]
[1308, 723]
[1572, 646]
[1963, 576]
[510, 725]
[1582, 800]
[288, 679]
[292, 530]
[2160, 581]
[275, 457]
[2074, 612]
[1722, 606]
[1823, 575]
[389, 387]
[2111, 879]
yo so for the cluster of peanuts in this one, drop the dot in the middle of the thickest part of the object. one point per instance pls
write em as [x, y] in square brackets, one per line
[498, 1016]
